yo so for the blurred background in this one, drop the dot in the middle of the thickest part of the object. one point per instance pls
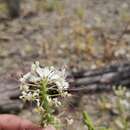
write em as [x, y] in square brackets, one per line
[79, 34]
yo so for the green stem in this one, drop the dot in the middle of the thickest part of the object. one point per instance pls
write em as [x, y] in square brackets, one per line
[43, 92]
[46, 116]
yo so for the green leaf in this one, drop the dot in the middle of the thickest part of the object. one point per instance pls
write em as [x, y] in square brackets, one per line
[88, 121]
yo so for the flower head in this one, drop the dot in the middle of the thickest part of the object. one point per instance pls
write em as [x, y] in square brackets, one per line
[53, 76]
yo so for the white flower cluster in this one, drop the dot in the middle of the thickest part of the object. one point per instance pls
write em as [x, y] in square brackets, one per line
[50, 73]
[31, 84]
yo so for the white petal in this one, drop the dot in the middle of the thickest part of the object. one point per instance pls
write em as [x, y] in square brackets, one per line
[40, 72]
[25, 77]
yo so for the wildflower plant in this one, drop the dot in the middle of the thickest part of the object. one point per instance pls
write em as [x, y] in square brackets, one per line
[43, 86]
[122, 106]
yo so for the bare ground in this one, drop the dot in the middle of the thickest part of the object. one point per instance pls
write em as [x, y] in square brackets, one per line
[77, 33]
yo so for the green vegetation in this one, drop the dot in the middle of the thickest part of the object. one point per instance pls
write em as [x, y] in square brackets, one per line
[50, 5]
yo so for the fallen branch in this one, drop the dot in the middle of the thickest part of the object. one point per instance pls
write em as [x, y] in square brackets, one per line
[101, 79]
